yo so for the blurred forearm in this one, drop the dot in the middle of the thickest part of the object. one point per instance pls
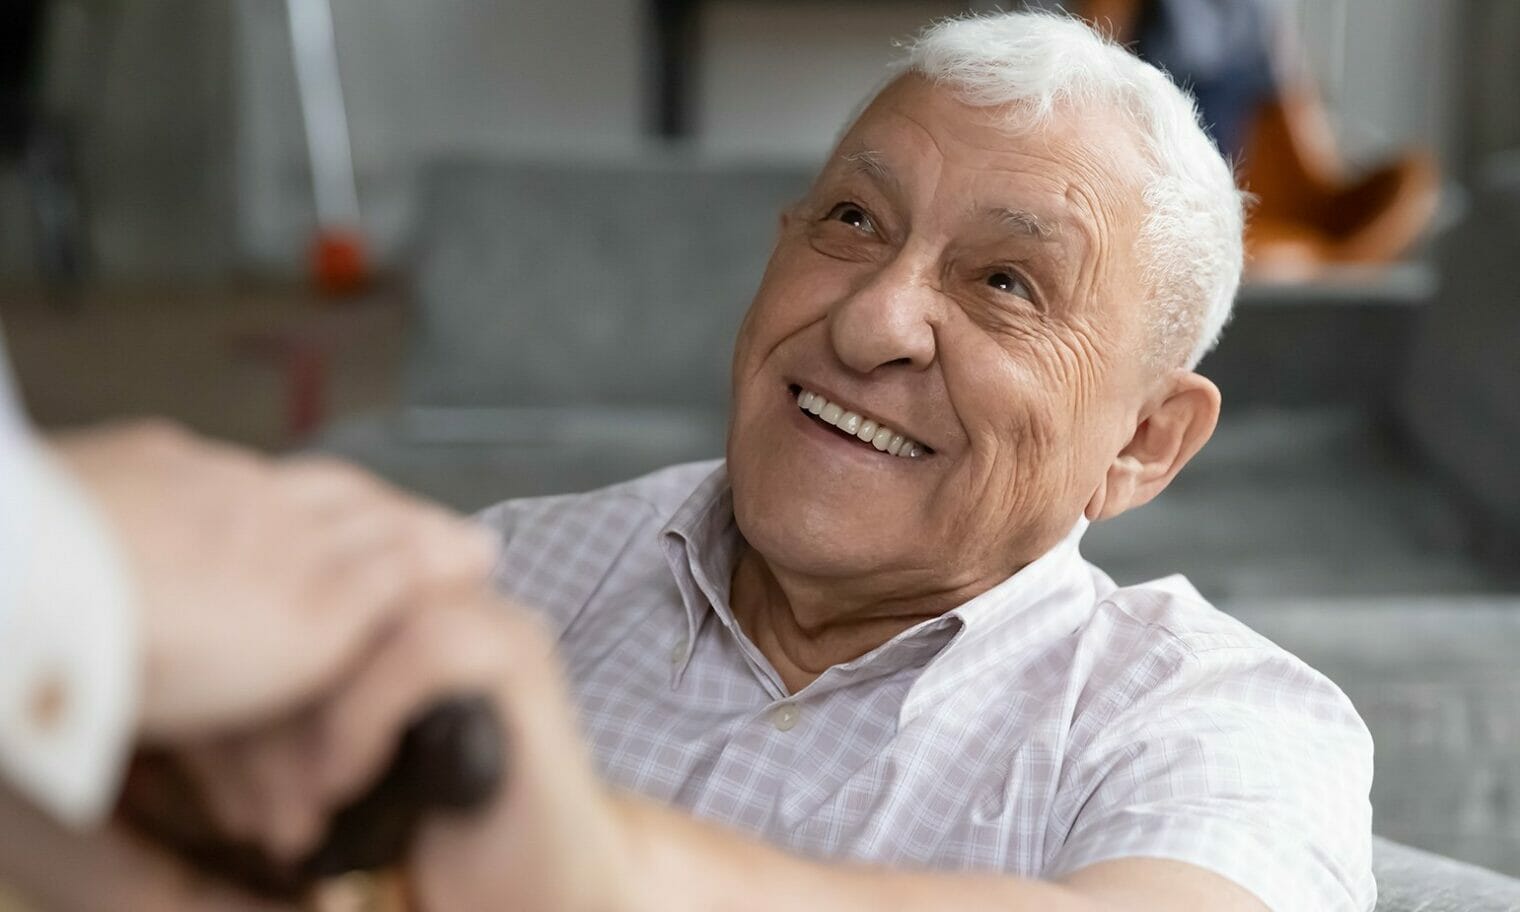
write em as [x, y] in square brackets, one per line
[689, 865]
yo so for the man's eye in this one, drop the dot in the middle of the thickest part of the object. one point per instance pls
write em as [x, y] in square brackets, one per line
[1009, 283]
[851, 215]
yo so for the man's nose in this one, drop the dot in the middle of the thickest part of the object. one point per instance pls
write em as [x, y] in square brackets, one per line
[888, 320]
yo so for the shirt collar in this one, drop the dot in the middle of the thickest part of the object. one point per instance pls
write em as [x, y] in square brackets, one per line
[1046, 599]
[701, 543]
[1026, 586]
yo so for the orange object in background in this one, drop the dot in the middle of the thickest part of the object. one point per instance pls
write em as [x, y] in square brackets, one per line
[1312, 212]
[339, 262]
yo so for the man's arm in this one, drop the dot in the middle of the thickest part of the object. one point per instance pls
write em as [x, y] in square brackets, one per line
[556, 840]
[685, 864]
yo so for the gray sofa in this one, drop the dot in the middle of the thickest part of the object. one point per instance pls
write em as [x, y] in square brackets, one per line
[574, 327]
[1435, 679]
[1411, 880]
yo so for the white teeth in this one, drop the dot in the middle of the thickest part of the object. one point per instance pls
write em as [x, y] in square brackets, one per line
[877, 435]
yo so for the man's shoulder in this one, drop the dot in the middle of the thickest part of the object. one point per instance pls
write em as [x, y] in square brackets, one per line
[649, 500]
[1194, 738]
[1169, 615]
[1164, 638]
[556, 551]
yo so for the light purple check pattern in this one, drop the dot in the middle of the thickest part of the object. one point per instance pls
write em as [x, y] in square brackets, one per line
[1053, 722]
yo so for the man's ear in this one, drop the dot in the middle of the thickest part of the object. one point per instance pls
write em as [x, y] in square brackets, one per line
[1172, 429]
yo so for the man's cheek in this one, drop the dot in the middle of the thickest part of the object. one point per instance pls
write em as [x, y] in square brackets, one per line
[759, 335]
[1026, 442]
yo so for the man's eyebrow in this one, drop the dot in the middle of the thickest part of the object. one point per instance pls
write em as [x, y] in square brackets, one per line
[1022, 221]
[872, 164]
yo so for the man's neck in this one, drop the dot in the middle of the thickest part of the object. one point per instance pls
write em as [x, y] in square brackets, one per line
[804, 626]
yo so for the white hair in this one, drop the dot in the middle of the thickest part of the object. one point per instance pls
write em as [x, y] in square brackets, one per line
[1190, 238]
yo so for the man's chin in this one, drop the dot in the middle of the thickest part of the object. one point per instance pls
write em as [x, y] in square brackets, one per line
[819, 529]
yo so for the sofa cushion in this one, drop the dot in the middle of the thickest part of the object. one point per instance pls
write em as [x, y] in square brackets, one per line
[1410, 880]
[1435, 680]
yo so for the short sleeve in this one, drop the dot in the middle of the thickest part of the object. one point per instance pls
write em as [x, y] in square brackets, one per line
[1238, 759]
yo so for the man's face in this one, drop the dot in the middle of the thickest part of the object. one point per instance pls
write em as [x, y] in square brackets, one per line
[970, 288]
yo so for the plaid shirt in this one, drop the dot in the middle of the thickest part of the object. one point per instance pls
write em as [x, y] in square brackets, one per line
[1052, 722]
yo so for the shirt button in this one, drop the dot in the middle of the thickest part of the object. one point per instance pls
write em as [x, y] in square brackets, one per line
[785, 716]
[47, 703]
[678, 652]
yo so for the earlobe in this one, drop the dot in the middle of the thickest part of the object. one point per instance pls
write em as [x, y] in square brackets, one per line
[1176, 427]
[1094, 509]
[1116, 493]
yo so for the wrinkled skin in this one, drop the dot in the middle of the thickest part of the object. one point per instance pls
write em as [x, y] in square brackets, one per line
[1016, 353]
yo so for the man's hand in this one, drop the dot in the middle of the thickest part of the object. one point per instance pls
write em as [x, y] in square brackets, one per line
[552, 839]
[259, 581]
[57, 869]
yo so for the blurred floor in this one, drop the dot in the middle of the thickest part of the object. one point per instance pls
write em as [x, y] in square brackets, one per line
[225, 361]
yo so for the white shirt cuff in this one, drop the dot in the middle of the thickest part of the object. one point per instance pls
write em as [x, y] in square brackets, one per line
[68, 651]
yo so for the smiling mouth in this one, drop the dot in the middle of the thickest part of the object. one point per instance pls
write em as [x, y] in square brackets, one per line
[855, 426]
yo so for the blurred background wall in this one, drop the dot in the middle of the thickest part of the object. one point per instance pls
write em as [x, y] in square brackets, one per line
[194, 158]
[149, 90]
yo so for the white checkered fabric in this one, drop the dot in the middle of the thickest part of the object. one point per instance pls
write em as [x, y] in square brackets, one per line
[1050, 723]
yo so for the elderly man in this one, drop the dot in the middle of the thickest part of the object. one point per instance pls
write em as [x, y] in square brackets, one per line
[861, 664]
[868, 638]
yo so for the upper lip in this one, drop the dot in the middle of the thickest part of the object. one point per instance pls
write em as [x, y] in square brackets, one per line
[898, 426]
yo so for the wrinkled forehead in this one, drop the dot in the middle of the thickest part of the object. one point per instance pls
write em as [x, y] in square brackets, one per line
[1082, 165]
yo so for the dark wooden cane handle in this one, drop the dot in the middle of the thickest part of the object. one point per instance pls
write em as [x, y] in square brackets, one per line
[452, 759]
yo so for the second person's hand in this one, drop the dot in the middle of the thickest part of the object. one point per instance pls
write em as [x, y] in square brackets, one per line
[258, 581]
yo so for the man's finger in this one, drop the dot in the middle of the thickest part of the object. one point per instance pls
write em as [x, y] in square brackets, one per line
[279, 767]
[226, 788]
[359, 509]
[445, 550]
[322, 483]
[435, 654]
[455, 550]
